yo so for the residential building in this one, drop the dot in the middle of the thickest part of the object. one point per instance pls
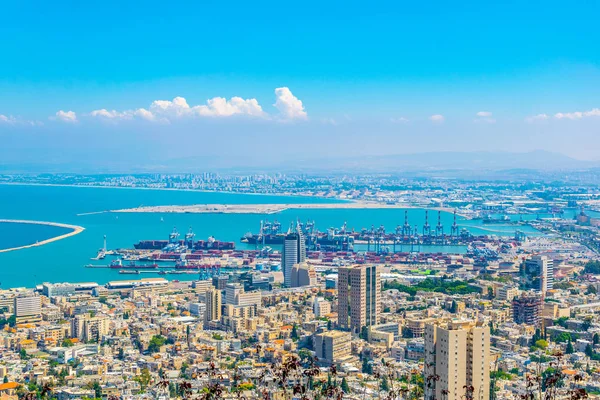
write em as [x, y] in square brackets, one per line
[359, 296]
[213, 305]
[459, 354]
[332, 346]
[527, 309]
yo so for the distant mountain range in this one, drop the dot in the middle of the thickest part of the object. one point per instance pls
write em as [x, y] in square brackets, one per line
[468, 163]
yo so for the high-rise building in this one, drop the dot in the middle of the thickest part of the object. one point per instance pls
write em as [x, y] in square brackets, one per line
[538, 273]
[359, 296]
[527, 309]
[294, 252]
[237, 296]
[28, 307]
[332, 346]
[459, 354]
[303, 275]
[213, 305]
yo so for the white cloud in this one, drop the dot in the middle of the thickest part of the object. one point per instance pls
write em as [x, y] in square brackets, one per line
[578, 114]
[400, 120]
[14, 121]
[125, 115]
[484, 117]
[536, 118]
[170, 110]
[437, 118]
[66, 116]
[7, 119]
[289, 106]
[104, 113]
[221, 107]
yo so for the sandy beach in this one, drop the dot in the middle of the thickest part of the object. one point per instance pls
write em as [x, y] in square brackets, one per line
[75, 231]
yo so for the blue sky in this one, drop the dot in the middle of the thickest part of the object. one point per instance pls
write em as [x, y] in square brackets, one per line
[410, 77]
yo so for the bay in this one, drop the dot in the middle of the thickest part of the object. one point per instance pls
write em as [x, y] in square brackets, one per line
[64, 260]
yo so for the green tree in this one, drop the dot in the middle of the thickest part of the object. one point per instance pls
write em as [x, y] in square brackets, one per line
[384, 386]
[156, 343]
[345, 386]
[589, 350]
[562, 321]
[143, 379]
[453, 307]
[591, 290]
[563, 337]
[295, 332]
[97, 390]
[592, 267]
[364, 333]
[596, 339]
[541, 344]
[67, 343]
[329, 325]
[569, 349]
[367, 367]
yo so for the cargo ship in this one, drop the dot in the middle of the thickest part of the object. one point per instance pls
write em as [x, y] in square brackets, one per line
[174, 243]
[131, 266]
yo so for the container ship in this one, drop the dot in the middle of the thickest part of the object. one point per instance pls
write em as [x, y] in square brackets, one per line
[174, 243]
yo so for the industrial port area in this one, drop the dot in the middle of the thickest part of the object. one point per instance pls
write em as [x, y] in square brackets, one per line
[514, 264]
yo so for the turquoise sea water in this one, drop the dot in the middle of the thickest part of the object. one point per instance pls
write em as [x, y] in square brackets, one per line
[64, 260]
[15, 234]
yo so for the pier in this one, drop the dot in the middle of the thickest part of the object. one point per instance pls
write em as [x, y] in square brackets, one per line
[75, 231]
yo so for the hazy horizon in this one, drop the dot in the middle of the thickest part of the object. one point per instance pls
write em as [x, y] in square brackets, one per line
[87, 84]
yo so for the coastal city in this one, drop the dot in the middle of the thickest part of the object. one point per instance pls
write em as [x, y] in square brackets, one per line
[425, 309]
[310, 200]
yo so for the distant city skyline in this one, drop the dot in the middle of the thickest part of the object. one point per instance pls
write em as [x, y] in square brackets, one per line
[84, 81]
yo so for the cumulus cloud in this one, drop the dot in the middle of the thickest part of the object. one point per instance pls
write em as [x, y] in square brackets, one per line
[485, 117]
[437, 118]
[66, 116]
[171, 110]
[221, 107]
[578, 114]
[116, 115]
[289, 106]
[536, 118]
[400, 120]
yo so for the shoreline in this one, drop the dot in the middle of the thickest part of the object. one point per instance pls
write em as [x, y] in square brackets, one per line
[75, 231]
[269, 209]
[172, 190]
